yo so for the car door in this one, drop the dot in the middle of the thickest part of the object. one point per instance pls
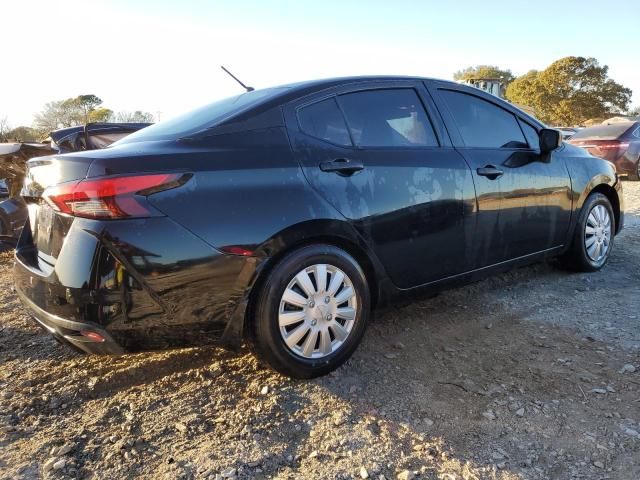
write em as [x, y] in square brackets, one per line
[380, 156]
[524, 197]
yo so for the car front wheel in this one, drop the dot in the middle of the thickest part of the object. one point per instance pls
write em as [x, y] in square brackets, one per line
[593, 238]
[311, 311]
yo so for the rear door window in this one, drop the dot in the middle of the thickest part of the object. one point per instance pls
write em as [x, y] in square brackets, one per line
[388, 118]
[324, 120]
[483, 124]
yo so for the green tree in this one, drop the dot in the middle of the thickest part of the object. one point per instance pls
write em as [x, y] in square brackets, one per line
[51, 117]
[134, 117]
[570, 91]
[23, 134]
[70, 112]
[484, 71]
[100, 115]
[5, 128]
[86, 104]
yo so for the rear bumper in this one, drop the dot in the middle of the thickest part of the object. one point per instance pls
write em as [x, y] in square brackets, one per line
[68, 331]
[139, 284]
[618, 189]
[626, 166]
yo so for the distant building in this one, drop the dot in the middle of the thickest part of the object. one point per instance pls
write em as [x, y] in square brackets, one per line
[494, 86]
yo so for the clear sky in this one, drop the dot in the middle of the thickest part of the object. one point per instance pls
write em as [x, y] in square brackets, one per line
[164, 56]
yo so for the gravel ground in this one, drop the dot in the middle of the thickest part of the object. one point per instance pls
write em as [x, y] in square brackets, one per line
[531, 374]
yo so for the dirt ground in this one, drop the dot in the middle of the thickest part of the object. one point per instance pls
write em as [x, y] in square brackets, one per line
[534, 374]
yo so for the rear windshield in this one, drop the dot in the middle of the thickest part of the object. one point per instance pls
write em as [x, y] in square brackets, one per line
[201, 118]
[604, 132]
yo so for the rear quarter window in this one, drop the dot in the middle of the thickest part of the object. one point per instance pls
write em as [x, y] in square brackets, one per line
[203, 117]
[324, 120]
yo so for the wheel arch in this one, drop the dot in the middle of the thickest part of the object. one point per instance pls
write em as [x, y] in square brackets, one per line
[611, 194]
[331, 232]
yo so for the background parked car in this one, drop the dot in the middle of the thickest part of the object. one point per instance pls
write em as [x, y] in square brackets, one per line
[11, 213]
[4, 189]
[567, 132]
[617, 142]
[13, 210]
[13, 158]
[91, 136]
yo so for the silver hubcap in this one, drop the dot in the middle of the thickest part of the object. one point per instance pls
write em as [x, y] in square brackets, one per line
[317, 311]
[597, 233]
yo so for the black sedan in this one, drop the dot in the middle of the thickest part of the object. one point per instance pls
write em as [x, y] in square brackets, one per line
[283, 216]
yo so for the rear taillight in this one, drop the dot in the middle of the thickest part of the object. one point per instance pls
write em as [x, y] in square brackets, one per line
[613, 146]
[608, 149]
[93, 336]
[612, 151]
[110, 197]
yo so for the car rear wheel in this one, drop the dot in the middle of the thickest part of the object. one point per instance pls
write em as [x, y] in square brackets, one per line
[311, 311]
[593, 238]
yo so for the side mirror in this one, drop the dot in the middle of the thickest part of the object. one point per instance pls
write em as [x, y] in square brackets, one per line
[550, 139]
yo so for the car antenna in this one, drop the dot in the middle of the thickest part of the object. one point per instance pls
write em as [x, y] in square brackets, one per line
[248, 89]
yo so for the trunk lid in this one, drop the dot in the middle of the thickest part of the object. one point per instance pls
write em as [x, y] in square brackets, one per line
[48, 229]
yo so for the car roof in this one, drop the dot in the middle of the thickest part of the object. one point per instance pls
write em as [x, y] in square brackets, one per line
[310, 86]
[356, 78]
[298, 90]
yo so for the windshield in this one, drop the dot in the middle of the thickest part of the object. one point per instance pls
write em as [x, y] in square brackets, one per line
[201, 118]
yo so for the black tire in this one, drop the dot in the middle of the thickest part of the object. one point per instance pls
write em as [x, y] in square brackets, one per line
[269, 342]
[577, 258]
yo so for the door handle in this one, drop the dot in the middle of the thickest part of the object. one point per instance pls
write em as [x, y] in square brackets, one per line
[490, 172]
[342, 166]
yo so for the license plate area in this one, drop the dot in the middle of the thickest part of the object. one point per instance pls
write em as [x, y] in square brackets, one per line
[44, 228]
[46, 232]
